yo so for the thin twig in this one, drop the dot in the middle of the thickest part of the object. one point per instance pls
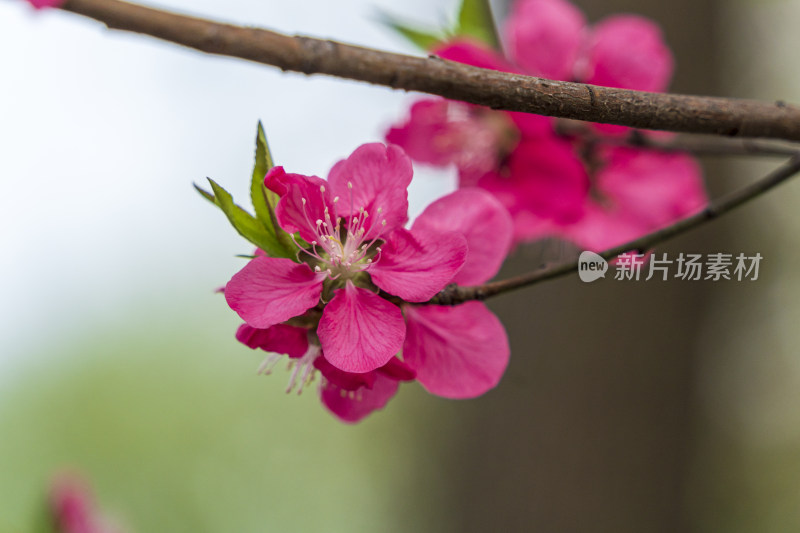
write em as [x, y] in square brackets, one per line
[705, 146]
[453, 294]
[699, 145]
[498, 90]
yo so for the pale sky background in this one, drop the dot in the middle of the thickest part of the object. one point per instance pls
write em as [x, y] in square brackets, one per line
[102, 134]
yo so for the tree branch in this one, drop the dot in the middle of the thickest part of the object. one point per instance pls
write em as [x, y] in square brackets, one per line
[453, 294]
[498, 90]
[698, 145]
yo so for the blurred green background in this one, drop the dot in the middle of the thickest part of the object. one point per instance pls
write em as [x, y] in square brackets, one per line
[167, 418]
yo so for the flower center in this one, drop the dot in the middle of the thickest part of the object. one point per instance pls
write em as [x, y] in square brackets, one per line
[341, 248]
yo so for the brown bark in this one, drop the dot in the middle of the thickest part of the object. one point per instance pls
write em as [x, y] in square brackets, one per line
[498, 90]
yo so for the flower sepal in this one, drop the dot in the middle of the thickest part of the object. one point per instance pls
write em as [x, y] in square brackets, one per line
[261, 229]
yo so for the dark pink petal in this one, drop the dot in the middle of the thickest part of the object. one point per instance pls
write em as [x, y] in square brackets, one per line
[427, 135]
[268, 291]
[545, 179]
[360, 331]
[532, 125]
[303, 201]
[472, 52]
[398, 370]
[483, 221]
[544, 37]
[458, 352]
[600, 229]
[352, 406]
[379, 176]
[530, 227]
[640, 191]
[656, 187]
[349, 381]
[279, 338]
[415, 265]
[629, 52]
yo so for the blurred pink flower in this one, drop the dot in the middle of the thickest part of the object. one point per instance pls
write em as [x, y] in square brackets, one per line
[553, 185]
[73, 509]
[550, 38]
[40, 4]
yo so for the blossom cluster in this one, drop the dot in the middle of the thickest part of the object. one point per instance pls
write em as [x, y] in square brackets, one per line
[345, 307]
[594, 194]
[342, 287]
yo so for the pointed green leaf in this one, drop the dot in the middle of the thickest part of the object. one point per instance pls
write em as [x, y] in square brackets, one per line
[246, 224]
[263, 199]
[422, 38]
[475, 19]
[258, 194]
[205, 194]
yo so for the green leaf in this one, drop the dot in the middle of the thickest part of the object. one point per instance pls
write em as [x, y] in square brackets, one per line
[246, 224]
[422, 38]
[263, 199]
[205, 194]
[258, 193]
[475, 20]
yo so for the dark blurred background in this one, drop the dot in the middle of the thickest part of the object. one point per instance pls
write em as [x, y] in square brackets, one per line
[613, 415]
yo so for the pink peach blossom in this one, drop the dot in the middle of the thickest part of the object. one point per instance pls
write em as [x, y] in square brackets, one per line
[457, 352]
[555, 186]
[353, 223]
